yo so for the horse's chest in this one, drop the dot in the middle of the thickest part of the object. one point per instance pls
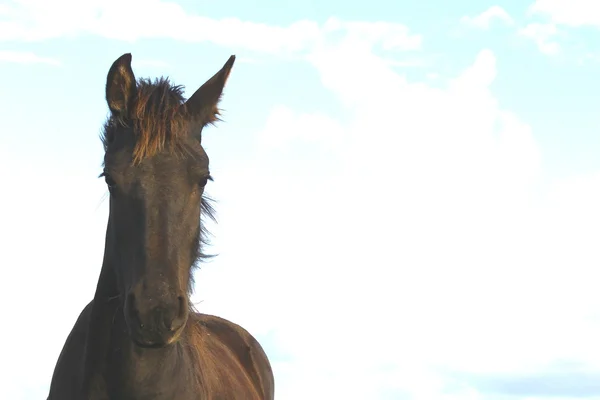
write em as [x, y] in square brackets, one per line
[159, 388]
[154, 377]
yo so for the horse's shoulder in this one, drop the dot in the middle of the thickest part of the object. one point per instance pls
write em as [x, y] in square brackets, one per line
[223, 328]
[246, 349]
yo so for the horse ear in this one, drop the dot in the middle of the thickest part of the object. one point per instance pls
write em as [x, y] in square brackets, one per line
[120, 87]
[203, 105]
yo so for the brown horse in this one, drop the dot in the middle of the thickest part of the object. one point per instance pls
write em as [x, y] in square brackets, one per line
[140, 338]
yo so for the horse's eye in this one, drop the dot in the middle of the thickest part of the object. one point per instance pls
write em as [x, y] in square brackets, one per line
[109, 181]
[205, 180]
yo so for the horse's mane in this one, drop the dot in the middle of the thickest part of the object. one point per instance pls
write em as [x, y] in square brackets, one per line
[155, 117]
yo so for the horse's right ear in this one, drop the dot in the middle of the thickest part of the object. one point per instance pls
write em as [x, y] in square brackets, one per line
[120, 87]
[203, 105]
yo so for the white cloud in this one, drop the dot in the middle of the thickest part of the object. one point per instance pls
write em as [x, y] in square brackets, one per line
[150, 63]
[391, 36]
[23, 57]
[589, 58]
[571, 13]
[542, 34]
[299, 126]
[409, 63]
[53, 230]
[429, 247]
[248, 60]
[38, 20]
[484, 20]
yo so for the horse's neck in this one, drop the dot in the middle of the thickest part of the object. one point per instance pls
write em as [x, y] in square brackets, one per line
[98, 330]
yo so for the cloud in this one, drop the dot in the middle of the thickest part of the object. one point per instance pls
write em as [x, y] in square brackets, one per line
[390, 36]
[151, 63]
[588, 58]
[542, 34]
[248, 60]
[61, 272]
[409, 63]
[575, 385]
[572, 13]
[36, 20]
[484, 20]
[425, 251]
[299, 126]
[22, 57]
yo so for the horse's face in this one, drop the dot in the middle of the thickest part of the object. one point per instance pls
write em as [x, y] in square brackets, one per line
[156, 171]
[155, 230]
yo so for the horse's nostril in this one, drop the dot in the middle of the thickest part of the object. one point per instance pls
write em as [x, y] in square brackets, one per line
[182, 307]
[174, 321]
[132, 311]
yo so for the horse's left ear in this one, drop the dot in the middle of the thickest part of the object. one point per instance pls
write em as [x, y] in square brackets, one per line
[203, 105]
[120, 87]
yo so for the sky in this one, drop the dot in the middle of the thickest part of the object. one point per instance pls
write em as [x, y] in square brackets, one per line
[406, 192]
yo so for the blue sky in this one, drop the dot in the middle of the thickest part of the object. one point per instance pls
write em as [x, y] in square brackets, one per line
[407, 193]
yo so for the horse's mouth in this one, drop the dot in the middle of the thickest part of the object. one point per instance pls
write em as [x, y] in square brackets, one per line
[149, 345]
[155, 344]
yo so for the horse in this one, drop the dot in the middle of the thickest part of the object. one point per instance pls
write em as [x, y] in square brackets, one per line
[140, 337]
